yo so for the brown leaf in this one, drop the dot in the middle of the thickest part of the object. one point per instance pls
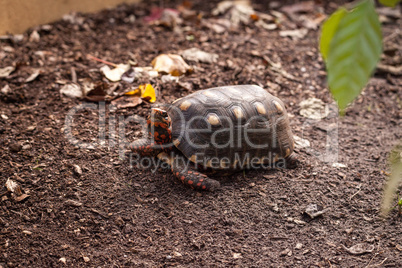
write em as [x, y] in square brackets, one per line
[127, 102]
[21, 197]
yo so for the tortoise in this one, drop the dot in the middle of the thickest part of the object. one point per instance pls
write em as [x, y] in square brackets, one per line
[226, 129]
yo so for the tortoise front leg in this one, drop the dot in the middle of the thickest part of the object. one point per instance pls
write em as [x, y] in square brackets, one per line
[188, 176]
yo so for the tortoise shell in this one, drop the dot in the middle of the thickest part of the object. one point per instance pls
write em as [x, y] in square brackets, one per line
[231, 127]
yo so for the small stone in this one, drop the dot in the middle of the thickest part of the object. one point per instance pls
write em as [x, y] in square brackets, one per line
[399, 247]
[31, 128]
[27, 232]
[298, 246]
[5, 117]
[63, 260]
[236, 255]
[284, 252]
[177, 254]
[349, 230]
[26, 147]
[15, 147]
[86, 259]
[77, 170]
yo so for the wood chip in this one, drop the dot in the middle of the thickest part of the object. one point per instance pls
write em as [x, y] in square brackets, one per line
[72, 203]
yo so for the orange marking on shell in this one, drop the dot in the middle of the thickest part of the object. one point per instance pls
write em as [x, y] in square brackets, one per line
[190, 172]
[201, 180]
[182, 178]
[199, 184]
[163, 136]
[260, 108]
[190, 182]
[177, 174]
[185, 105]
[278, 106]
[204, 187]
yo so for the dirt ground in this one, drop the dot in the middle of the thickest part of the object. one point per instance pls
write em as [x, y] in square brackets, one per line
[88, 207]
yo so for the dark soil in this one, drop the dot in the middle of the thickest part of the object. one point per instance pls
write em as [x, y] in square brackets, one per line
[110, 214]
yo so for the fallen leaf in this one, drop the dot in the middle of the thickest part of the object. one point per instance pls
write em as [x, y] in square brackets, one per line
[170, 63]
[339, 165]
[13, 187]
[300, 142]
[304, 7]
[148, 92]
[95, 91]
[20, 198]
[197, 55]
[6, 71]
[127, 102]
[314, 210]
[314, 108]
[359, 249]
[33, 76]
[294, 34]
[129, 76]
[238, 11]
[115, 74]
[71, 91]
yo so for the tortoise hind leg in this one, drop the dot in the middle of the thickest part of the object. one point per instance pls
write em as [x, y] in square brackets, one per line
[291, 161]
[187, 176]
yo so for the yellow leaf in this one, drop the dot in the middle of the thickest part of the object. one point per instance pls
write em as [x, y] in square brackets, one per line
[136, 91]
[148, 92]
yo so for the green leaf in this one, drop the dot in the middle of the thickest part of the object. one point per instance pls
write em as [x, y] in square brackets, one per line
[328, 30]
[354, 52]
[389, 3]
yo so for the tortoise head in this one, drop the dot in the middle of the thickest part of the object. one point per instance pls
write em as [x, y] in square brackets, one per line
[159, 126]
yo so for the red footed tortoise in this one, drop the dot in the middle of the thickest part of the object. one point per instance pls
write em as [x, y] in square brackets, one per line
[227, 129]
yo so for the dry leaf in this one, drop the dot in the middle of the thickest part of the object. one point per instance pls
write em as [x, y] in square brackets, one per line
[13, 187]
[115, 74]
[314, 108]
[194, 54]
[236, 11]
[95, 91]
[6, 71]
[294, 34]
[300, 142]
[359, 249]
[170, 63]
[71, 91]
[127, 102]
[21, 197]
[33, 76]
